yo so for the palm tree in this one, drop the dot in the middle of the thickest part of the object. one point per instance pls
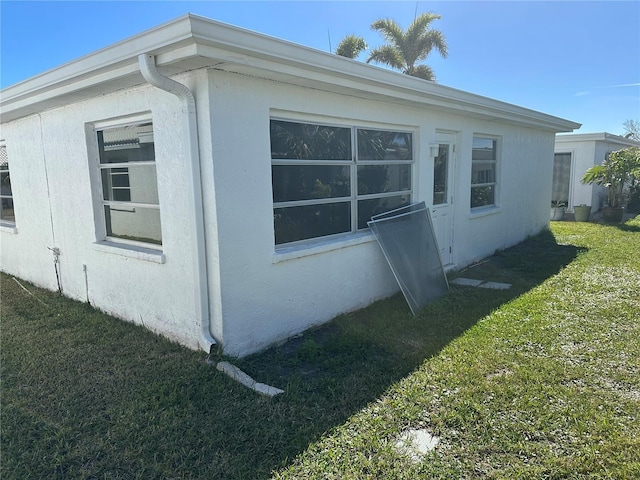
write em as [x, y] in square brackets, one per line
[406, 49]
[351, 46]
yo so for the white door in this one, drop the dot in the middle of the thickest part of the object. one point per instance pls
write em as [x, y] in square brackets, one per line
[442, 207]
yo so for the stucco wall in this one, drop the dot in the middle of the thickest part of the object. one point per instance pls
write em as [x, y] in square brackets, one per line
[53, 165]
[258, 294]
[267, 295]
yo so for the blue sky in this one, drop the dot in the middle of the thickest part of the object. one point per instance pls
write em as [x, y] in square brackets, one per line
[573, 59]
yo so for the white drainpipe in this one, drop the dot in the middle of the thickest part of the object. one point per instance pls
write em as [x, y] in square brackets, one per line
[148, 69]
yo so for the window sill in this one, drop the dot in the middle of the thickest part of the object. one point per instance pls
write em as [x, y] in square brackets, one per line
[8, 228]
[299, 251]
[485, 211]
[131, 251]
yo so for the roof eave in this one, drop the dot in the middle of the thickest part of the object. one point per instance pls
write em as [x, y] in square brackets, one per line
[191, 42]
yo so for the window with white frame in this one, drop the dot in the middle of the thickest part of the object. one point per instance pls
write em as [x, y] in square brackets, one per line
[329, 180]
[129, 183]
[7, 216]
[484, 166]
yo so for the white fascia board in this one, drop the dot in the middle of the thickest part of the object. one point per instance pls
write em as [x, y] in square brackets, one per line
[195, 42]
[248, 52]
[596, 137]
[91, 73]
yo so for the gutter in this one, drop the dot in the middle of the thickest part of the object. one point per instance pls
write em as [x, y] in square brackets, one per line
[153, 77]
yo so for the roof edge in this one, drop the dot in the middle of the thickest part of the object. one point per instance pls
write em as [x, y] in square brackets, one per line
[256, 52]
[596, 137]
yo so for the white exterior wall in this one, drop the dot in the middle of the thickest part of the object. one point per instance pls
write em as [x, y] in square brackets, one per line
[266, 295]
[257, 295]
[51, 153]
[586, 151]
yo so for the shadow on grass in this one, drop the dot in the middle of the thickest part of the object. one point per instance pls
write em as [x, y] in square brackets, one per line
[335, 370]
[625, 227]
[88, 396]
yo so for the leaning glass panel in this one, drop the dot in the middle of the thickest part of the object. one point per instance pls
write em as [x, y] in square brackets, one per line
[383, 178]
[293, 224]
[373, 206]
[307, 182]
[308, 141]
[384, 145]
[140, 224]
[408, 242]
[482, 196]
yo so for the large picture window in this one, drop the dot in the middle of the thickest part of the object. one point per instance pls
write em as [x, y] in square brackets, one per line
[129, 183]
[7, 216]
[484, 165]
[329, 180]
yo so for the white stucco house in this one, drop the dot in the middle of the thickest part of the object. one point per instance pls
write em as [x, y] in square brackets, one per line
[574, 154]
[228, 203]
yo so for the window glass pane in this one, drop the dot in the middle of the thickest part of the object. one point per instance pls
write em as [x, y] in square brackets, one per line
[384, 145]
[121, 195]
[482, 172]
[306, 182]
[383, 178]
[120, 177]
[307, 141]
[142, 182]
[138, 223]
[310, 221]
[484, 148]
[6, 212]
[133, 143]
[440, 172]
[373, 206]
[482, 196]
[5, 183]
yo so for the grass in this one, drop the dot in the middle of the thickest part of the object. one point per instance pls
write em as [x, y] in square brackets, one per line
[539, 381]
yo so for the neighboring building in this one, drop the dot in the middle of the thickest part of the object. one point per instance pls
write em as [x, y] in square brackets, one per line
[574, 154]
[244, 221]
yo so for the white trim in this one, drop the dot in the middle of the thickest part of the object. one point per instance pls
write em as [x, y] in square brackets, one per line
[595, 137]
[122, 121]
[130, 250]
[320, 246]
[485, 211]
[8, 227]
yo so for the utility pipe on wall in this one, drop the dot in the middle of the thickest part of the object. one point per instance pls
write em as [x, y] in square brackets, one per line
[147, 64]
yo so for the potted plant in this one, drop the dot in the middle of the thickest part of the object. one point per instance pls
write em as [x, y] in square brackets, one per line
[557, 209]
[618, 170]
[581, 212]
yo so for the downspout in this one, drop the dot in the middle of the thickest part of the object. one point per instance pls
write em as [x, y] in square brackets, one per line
[148, 69]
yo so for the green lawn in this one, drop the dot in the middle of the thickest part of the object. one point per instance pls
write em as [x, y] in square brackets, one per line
[539, 381]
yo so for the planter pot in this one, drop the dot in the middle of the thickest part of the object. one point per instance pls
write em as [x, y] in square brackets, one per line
[612, 215]
[582, 213]
[557, 213]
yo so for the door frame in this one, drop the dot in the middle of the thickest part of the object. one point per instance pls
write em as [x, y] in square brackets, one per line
[448, 138]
